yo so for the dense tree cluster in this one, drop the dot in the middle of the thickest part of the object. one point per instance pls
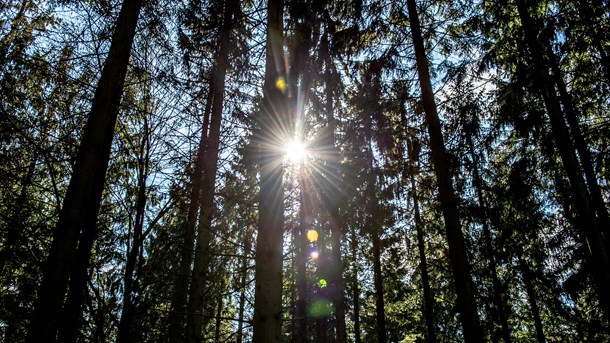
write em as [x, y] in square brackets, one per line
[304, 171]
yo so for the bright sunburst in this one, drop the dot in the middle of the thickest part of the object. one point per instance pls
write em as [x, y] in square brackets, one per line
[295, 151]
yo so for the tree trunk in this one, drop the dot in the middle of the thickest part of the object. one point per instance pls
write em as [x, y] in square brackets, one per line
[194, 327]
[271, 133]
[581, 146]
[300, 51]
[83, 197]
[423, 265]
[457, 248]
[336, 280]
[592, 235]
[179, 296]
[499, 300]
[355, 288]
[333, 202]
[68, 328]
[127, 313]
[379, 302]
[531, 295]
[218, 321]
[243, 284]
[301, 261]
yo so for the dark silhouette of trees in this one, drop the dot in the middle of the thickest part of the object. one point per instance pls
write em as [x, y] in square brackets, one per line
[452, 183]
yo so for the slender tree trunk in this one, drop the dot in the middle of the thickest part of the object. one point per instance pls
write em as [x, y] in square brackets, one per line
[466, 302]
[243, 283]
[180, 293]
[336, 281]
[301, 261]
[98, 319]
[581, 146]
[218, 321]
[83, 197]
[373, 226]
[270, 136]
[194, 327]
[423, 265]
[592, 235]
[379, 302]
[332, 163]
[531, 295]
[355, 287]
[127, 313]
[499, 300]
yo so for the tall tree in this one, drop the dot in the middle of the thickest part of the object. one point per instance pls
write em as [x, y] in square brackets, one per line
[457, 248]
[414, 150]
[177, 316]
[271, 133]
[591, 211]
[194, 328]
[77, 220]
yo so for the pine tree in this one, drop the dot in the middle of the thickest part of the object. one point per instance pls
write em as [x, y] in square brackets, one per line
[457, 249]
[81, 204]
[269, 137]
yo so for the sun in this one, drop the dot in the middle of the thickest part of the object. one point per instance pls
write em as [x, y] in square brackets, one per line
[295, 151]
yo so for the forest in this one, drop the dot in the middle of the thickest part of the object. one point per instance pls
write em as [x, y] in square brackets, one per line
[363, 171]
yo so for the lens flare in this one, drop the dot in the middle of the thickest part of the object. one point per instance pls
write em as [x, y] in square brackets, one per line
[320, 308]
[314, 255]
[312, 235]
[280, 84]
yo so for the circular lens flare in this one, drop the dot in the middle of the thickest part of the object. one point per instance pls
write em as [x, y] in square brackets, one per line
[320, 308]
[280, 84]
[312, 235]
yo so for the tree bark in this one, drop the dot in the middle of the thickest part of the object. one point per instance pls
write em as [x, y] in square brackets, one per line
[83, 197]
[271, 133]
[466, 302]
